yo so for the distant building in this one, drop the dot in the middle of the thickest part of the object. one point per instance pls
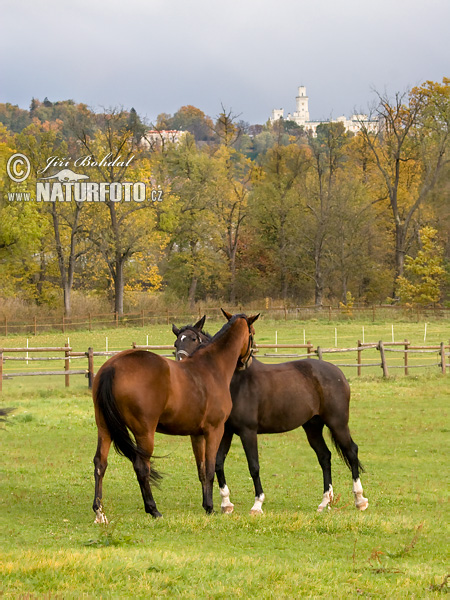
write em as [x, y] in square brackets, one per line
[157, 138]
[301, 116]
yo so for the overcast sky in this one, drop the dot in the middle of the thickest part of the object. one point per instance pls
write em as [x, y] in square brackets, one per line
[249, 56]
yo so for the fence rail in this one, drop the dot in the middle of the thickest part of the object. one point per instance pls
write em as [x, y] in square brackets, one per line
[144, 318]
[441, 351]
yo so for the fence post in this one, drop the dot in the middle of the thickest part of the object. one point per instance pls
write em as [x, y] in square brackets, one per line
[319, 352]
[406, 356]
[359, 358]
[1, 370]
[66, 364]
[308, 349]
[90, 354]
[443, 365]
[383, 359]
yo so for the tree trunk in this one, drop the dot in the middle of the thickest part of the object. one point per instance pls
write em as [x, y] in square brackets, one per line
[67, 302]
[118, 286]
[192, 290]
[233, 279]
[318, 292]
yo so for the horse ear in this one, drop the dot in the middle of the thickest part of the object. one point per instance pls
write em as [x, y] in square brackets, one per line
[175, 330]
[226, 314]
[199, 325]
[251, 320]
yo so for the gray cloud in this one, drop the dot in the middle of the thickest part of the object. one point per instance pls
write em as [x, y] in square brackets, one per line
[249, 56]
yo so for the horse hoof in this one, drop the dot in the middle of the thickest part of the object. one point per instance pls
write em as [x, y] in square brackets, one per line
[101, 518]
[363, 504]
[227, 510]
[256, 511]
[321, 508]
[157, 515]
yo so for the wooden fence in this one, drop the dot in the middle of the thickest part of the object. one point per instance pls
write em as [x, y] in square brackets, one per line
[145, 318]
[441, 352]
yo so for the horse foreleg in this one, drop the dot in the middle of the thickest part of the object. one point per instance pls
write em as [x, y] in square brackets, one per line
[199, 447]
[226, 505]
[249, 439]
[100, 464]
[213, 438]
[314, 433]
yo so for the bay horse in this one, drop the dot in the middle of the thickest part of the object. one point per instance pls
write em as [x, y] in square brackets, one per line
[141, 392]
[275, 398]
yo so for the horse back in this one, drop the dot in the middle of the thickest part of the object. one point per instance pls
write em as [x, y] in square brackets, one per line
[280, 397]
[153, 392]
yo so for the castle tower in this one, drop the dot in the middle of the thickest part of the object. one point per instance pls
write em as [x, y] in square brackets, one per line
[301, 115]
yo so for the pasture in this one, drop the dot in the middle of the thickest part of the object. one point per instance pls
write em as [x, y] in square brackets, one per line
[50, 547]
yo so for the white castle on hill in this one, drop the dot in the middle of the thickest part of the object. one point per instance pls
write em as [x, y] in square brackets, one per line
[301, 116]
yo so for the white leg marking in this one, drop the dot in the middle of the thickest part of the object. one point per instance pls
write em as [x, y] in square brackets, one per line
[327, 499]
[256, 509]
[360, 502]
[226, 506]
[101, 517]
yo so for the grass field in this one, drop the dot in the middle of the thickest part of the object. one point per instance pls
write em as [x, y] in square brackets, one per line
[318, 332]
[50, 547]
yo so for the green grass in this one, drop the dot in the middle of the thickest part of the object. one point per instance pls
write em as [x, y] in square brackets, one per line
[50, 547]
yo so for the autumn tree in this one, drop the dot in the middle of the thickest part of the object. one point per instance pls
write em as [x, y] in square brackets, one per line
[192, 119]
[410, 149]
[40, 141]
[276, 202]
[320, 207]
[117, 229]
[22, 229]
[187, 218]
[424, 274]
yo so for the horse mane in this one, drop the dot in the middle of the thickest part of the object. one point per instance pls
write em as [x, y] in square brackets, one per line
[217, 335]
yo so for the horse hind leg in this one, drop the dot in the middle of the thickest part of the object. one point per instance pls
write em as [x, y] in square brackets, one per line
[100, 464]
[314, 432]
[145, 473]
[349, 452]
[226, 505]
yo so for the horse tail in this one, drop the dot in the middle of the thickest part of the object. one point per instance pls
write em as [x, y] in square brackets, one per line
[343, 452]
[4, 413]
[118, 430]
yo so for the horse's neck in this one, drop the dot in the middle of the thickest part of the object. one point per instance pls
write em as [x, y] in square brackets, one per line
[228, 346]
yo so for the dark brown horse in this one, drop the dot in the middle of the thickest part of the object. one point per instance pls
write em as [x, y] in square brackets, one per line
[274, 398]
[140, 392]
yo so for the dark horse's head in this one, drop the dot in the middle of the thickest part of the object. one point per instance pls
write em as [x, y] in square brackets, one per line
[190, 337]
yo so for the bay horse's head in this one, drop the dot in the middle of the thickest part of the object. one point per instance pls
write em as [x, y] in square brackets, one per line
[189, 338]
[246, 357]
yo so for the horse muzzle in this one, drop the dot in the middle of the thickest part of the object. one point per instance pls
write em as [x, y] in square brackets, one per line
[180, 354]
